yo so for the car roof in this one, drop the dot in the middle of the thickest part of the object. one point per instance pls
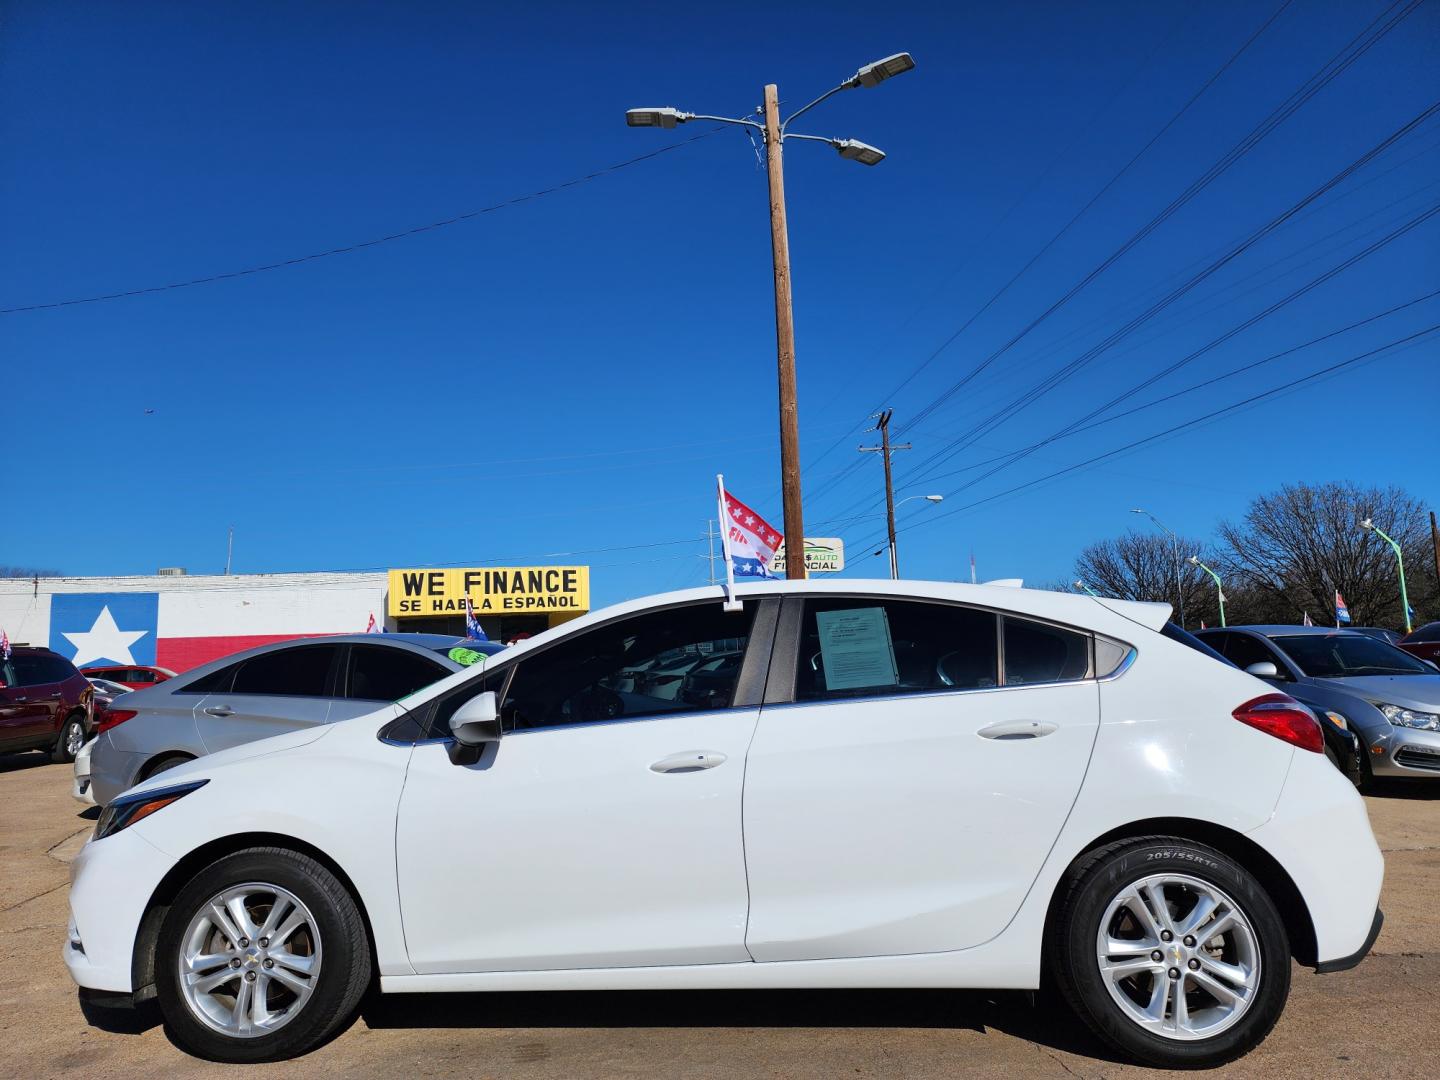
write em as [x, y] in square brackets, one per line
[1278, 629]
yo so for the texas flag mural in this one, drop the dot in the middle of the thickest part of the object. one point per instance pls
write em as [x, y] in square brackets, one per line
[178, 630]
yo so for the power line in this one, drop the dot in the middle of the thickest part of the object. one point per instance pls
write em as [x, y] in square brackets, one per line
[1328, 72]
[1215, 76]
[1215, 343]
[1066, 371]
[361, 245]
[1215, 414]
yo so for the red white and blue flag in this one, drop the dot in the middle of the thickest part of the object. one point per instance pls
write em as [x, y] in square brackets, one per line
[473, 630]
[1342, 613]
[4, 645]
[750, 541]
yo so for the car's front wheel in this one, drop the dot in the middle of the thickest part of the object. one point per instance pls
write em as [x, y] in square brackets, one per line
[1171, 951]
[262, 956]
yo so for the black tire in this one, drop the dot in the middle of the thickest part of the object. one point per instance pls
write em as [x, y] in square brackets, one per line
[1086, 895]
[1362, 776]
[164, 764]
[61, 753]
[343, 977]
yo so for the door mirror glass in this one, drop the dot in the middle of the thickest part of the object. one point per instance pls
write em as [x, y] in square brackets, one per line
[477, 722]
[1264, 669]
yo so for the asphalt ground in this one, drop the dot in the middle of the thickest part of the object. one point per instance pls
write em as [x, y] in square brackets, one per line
[1373, 1021]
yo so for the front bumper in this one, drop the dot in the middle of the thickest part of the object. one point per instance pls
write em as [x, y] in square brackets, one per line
[1398, 751]
[111, 883]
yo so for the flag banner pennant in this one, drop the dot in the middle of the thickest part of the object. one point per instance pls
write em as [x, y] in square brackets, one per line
[751, 541]
[473, 630]
[1308, 621]
[1342, 613]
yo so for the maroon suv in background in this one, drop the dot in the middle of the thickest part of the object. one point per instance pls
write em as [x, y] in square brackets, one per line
[1423, 642]
[44, 703]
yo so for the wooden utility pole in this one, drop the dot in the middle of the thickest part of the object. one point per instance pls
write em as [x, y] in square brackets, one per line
[882, 425]
[1435, 540]
[784, 344]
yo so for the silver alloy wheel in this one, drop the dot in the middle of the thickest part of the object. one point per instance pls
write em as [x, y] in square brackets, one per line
[74, 737]
[1178, 956]
[249, 960]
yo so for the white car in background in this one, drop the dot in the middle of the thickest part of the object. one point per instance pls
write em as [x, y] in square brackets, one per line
[905, 784]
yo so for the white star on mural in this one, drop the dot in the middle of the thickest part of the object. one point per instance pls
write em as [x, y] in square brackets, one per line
[104, 641]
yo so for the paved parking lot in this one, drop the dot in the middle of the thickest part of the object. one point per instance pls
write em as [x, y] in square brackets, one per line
[1373, 1021]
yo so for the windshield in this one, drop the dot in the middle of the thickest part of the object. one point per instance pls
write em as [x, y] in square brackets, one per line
[1184, 637]
[1343, 655]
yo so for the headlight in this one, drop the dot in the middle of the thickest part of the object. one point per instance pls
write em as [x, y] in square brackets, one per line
[128, 809]
[1410, 718]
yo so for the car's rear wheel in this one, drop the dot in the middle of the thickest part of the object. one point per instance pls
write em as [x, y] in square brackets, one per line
[263, 956]
[1171, 952]
[70, 740]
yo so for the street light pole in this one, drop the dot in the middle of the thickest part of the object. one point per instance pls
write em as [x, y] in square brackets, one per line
[1399, 565]
[1179, 582]
[784, 341]
[775, 133]
[1081, 585]
[1219, 588]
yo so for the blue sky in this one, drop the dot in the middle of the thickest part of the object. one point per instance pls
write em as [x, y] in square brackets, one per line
[566, 375]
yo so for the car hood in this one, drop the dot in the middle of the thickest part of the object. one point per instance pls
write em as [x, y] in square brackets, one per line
[1412, 691]
[202, 766]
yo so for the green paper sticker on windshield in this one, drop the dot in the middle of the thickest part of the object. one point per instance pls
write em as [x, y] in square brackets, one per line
[466, 657]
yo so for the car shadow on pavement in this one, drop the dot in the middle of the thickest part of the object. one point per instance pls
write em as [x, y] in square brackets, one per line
[1405, 789]
[22, 760]
[1022, 1014]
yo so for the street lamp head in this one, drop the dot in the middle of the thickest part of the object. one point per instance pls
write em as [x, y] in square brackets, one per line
[880, 70]
[934, 498]
[661, 118]
[1137, 511]
[1195, 560]
[1367, 524]
[855, 150]
[1079, 584]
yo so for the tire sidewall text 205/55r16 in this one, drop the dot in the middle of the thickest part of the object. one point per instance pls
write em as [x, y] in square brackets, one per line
[1101, 933]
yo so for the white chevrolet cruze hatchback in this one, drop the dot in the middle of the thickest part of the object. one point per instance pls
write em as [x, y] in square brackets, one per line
[856, 784]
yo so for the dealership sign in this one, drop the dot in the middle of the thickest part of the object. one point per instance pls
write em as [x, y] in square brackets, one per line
[491, 589]
[823, 555]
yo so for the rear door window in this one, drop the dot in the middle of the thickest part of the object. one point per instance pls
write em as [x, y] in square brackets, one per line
[299, 672]
[385, 673]
[861, 647]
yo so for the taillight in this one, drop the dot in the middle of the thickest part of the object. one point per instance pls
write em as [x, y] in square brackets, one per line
[1285, 718]
[111, 717]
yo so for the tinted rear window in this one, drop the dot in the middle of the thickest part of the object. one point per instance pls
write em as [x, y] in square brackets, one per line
[1344, 655]
[381, 673]
[1184, 637]
[302, 672]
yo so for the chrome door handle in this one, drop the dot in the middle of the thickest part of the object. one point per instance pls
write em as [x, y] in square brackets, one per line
[219, 710]
[1017, 729]
[689, 761]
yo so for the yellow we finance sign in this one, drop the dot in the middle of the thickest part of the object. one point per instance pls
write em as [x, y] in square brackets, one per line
[490, 589]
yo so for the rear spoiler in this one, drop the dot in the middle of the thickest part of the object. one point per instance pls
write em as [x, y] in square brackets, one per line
[1153, 616]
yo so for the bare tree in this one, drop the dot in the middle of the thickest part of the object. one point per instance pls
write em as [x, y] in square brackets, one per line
[1142, 566]
[26, 572]
[1295, 547]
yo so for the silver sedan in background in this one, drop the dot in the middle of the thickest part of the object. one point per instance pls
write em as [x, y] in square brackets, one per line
[263, 692]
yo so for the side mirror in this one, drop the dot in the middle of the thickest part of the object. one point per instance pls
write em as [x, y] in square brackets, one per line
[1263, 669]
[474, 724]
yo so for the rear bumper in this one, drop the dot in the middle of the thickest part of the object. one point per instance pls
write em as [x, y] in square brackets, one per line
[1320, 835]
[111, 771]
[1345, 963]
